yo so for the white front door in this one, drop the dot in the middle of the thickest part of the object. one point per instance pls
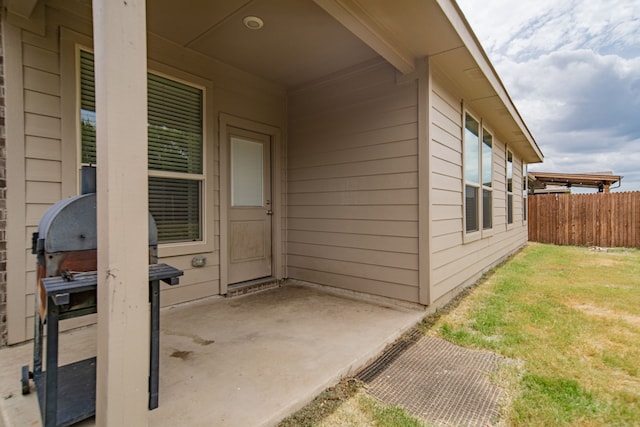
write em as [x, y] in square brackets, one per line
[250, 206]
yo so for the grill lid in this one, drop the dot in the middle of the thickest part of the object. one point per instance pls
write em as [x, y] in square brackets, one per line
[70, 225]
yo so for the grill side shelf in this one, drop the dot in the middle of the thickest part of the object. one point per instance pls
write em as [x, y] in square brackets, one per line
[56, 287]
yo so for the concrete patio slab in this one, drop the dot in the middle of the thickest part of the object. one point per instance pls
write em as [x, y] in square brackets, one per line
[246, 361]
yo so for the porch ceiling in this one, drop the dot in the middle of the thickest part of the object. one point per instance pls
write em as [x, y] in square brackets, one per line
[299, 42]
[304, 40]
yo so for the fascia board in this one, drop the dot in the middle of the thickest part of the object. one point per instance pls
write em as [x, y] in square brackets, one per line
[462, 27]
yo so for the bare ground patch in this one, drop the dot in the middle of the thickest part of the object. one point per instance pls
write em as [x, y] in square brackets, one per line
[594, 310]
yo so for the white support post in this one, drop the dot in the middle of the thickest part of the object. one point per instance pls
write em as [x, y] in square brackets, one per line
[122, 206]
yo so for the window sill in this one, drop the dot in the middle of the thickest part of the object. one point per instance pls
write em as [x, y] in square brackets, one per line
[478, 235]
[183, 248]
[471, 237]
[488, 232]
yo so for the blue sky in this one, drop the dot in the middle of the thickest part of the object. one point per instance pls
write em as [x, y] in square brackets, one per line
[572, 68]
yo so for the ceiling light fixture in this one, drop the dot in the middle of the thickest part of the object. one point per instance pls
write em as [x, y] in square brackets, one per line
[253, 22]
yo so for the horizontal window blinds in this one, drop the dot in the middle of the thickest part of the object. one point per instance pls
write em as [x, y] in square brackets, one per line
[175, 205]
[87, 108]
[175, 124]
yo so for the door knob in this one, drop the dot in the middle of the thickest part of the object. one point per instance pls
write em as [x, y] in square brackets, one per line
[269, 212]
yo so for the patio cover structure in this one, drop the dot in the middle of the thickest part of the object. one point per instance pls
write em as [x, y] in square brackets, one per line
[600, 180]
[409, 188]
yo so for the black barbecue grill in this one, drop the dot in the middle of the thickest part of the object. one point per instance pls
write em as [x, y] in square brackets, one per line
[66, 249]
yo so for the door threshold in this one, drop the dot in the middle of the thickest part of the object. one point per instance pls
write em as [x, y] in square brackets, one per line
[251, 286]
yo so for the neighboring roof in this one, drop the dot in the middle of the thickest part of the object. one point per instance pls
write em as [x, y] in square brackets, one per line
[540, 180]
[551, 189]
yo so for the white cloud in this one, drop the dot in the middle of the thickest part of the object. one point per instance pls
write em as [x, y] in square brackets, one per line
[573, 70]
[569, 89]
[535, 26]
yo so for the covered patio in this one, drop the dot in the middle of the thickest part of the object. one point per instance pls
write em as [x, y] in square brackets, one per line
[245, 361]
[318, 141]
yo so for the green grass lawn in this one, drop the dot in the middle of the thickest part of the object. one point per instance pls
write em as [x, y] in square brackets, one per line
[572, 316]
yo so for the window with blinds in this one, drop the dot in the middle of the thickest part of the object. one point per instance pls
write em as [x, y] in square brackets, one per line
[175, 144]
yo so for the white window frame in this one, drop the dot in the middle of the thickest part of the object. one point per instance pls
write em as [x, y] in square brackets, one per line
[525, 192]
[481, 232]
[509, 193]
[206, 242]
[489, 230]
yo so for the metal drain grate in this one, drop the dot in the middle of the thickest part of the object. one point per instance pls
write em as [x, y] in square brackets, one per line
[372, 371]
[440, 382]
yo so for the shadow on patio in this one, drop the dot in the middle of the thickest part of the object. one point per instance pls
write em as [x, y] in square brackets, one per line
[245, 361]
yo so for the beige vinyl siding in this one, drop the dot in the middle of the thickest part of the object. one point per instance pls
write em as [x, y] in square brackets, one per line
[455, 262]
[51, 156]
[499, 185]
[42, 139]
[352, 183]
[517, 191]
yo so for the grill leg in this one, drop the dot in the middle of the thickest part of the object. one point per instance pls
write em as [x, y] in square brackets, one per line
[154, 350]
[37, 343]
[51, 379]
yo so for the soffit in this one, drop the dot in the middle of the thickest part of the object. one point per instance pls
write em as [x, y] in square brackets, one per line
[298, 43]
[462, 75]
[23, 8]
[419, 25]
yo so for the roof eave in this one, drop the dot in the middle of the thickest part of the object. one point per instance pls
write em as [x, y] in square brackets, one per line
[471, 42]
[387, 29]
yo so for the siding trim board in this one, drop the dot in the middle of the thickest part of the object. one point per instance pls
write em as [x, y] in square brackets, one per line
[425, 166]
[3, 199]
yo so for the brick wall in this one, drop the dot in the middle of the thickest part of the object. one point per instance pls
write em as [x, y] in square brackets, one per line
[3, 203]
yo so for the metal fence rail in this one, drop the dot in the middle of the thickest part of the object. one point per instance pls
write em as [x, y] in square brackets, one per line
[601, 219]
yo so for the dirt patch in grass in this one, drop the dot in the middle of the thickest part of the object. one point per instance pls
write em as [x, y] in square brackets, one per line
[604, 259]
[347, 405]
[362, 410]
[350, 413]
[593, 310]
[323, 405]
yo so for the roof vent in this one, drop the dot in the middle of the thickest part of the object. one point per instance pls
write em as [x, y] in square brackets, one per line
[474, 73]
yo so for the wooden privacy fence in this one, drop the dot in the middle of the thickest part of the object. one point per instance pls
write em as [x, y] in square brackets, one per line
[601, 219]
